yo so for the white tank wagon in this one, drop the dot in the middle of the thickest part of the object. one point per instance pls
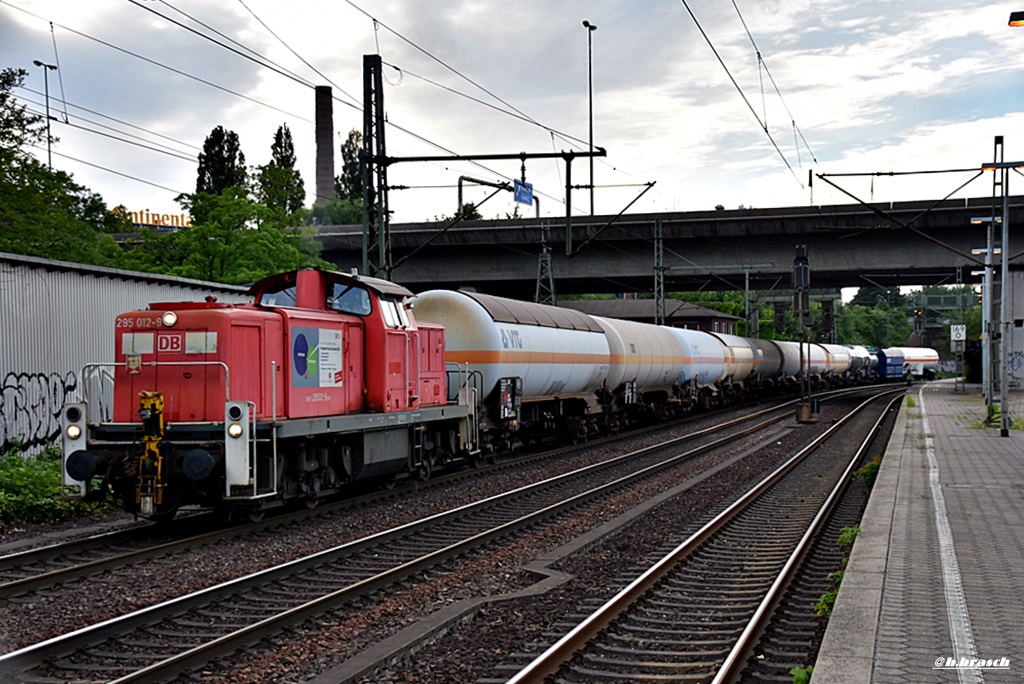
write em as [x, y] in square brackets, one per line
[705, 357]
[917, 361]
[861, 360]
[657, 365]
[767, 360]
[814, 357]
[837, 359]
[643, 357]
[523, 352]
[739, 357]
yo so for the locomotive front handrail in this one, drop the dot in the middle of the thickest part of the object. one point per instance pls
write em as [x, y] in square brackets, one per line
[89, 368]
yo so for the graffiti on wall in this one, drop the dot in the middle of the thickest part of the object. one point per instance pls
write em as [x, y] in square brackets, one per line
[30, 405]
[1015, 366]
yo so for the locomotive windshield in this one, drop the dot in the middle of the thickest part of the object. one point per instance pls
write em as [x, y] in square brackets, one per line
[281, 296]
[348, 299]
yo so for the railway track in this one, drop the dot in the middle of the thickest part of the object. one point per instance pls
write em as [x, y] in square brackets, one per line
[47, 565]
[697, 614]
[157, 642]
[40, 568]
[791, 637]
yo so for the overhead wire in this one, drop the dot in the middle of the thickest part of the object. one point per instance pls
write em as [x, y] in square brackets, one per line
[116, 173]
[261, 60]
[280, 69]
[249, 53]
[289, 48]
[450, 68]
[122, 122]
[60, 73]
[214, 85]
[762, 63]
[160, 64]
[512, 110]
[142, 143]
[514, 114]
[739, 89]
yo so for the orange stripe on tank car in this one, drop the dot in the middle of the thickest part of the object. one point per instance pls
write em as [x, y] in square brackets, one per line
[484, 356]
[622, 359]
[481, 356]
[632, 358]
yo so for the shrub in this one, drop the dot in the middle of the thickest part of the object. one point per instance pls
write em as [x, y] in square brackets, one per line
[802, 675]
[30, 487]
[848, 535]
[869, 471]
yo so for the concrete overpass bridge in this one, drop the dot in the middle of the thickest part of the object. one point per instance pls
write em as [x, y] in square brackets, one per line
[885, 245]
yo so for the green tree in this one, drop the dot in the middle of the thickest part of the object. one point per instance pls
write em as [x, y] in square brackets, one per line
[871, 296]
[349, 185]
[279, 184]
[238, 241]
[43, 212]
[337, 212]
[18, 126]
[469, 212]
[873, 326]
[221, 163]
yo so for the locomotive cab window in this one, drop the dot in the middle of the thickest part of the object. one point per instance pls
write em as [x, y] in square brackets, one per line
[348, 299]
[394, 312]
[281, 296]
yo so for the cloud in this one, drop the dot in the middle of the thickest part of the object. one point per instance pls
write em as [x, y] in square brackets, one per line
[880, 85]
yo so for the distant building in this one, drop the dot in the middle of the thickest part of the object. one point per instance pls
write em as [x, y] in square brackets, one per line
[677, 314]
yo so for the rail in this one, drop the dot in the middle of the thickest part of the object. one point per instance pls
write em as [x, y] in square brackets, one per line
[548, 663]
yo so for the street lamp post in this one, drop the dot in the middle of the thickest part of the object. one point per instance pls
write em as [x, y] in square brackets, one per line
[46, 87]
[590, 97]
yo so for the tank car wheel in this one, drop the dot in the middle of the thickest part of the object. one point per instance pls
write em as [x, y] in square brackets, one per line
[312, 502]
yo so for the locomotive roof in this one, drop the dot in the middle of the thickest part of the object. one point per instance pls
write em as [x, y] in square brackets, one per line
[377, 285]
[527, 313]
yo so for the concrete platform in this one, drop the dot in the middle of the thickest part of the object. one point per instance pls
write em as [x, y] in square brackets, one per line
[933, 590]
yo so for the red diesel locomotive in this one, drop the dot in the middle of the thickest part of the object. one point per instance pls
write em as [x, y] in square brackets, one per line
[324, 379]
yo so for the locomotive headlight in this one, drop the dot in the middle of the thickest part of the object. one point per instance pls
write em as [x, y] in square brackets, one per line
[235, 430]
[74, 432]
[169, 318]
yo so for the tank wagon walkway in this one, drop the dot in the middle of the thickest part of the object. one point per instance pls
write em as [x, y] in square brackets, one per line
[932, 590]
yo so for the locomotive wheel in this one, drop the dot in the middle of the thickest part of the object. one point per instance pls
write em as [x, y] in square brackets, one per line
[255, 515]
[312, 502]
[423, 471]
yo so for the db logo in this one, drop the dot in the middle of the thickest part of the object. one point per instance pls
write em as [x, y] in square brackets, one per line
[170, 343]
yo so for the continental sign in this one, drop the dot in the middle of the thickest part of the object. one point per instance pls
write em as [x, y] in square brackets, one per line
[152, 219]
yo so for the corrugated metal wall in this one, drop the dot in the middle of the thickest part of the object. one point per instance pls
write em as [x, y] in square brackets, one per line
[55, 317]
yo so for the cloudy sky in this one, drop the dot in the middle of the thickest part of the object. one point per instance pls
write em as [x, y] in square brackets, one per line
[842, 87]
